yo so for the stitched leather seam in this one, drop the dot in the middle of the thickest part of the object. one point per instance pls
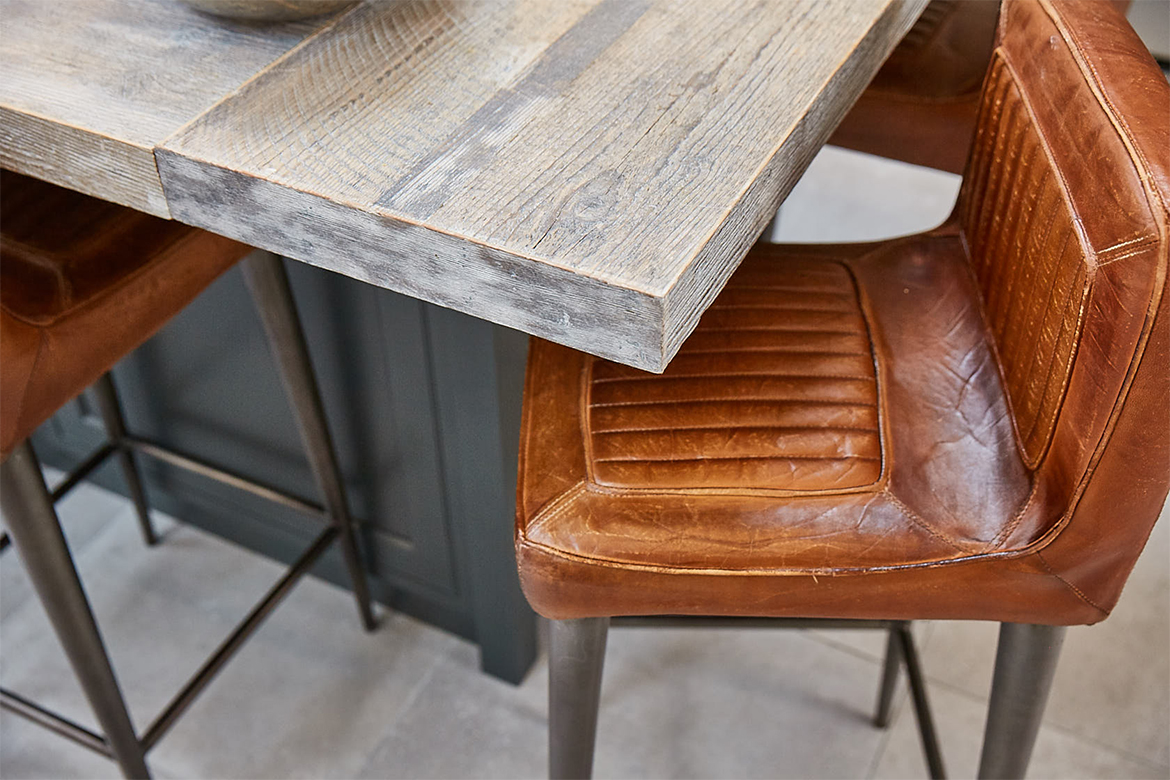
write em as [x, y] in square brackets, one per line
[1070, 586]
[879, 390]
[611, 563]
[1131, 253]
[733, 428]
[43, 337]
[776, 307]
[703, 458]
[766, 329]
[735, 399]
[553, 509]
[773, 350]
[1142, 240]
[915, 518]
[585, 415]
[736, 492]
[1015, 521]
[731, 375]
[1116, 117]
[740, 284]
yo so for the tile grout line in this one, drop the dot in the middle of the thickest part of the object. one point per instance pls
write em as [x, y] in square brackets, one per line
[1047, 723]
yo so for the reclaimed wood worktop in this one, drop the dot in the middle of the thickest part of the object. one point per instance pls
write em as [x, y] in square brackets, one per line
[588, 171]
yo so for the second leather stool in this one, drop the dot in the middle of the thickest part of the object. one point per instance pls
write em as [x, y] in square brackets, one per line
[83, 283]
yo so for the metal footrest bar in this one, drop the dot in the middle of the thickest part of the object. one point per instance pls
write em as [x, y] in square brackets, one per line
[82, 471]
[195, 685]
[204, 469]
[95, 459]
[61, 725]
[184, 698]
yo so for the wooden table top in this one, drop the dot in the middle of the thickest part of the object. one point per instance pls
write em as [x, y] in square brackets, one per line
[588, 171]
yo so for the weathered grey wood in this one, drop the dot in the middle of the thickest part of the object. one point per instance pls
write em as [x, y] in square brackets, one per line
[89, 88]
[590, 172]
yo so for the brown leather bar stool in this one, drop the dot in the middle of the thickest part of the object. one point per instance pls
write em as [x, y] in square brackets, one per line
[920, 107]
[82, 283]
[968, 424]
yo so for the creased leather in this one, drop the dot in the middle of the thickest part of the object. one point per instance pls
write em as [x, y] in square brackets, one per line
[82, 283]
[1022, 396]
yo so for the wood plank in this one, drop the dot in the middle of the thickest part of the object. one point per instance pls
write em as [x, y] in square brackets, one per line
[89, 88]
[589, 172]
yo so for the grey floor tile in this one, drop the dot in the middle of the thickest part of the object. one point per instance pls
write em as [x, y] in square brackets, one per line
[734, 703]
[28, 751]
[675, 703]
[1059, 754]
[309, 696]
[465, 724]
[1113, 681]
[850, 196]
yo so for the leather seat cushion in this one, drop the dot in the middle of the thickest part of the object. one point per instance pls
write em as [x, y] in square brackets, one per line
[82, 283]
[812, 425]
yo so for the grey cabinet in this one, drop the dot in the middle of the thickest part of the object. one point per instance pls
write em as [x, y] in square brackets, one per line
[424, 407]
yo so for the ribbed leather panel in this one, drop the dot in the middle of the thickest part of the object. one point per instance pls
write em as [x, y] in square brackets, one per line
[926, 27]
[1033, 270]
[775, 389]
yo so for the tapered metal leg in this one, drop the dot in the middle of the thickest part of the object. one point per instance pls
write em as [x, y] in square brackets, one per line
[576, 657]
[893, 663]
[36, 534]
[111, 411]
[268, 284]
[926, 730]
[1025, 664]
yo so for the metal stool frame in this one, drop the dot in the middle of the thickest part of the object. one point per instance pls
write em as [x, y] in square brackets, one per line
[1024, 668]
[577, 655]
[36, 534]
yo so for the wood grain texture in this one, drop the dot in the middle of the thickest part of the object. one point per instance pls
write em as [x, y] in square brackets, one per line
[590, 172]
[89, 88]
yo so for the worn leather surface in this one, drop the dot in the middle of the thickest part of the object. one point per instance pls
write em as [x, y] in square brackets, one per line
[778, 390]
[82, 283]
[973, 423]
[921, 106]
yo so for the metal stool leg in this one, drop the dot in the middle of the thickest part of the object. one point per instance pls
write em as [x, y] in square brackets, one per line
[111, 411]
[1025, 664]
[890, 669]
[921, 705]
[576, 657]
[37, 536]
[268, 284]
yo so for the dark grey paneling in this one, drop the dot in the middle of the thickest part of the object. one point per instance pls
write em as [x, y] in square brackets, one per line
[478, 376]
[425, 437]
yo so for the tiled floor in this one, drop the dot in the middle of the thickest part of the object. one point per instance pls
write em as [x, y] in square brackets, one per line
[312, 696]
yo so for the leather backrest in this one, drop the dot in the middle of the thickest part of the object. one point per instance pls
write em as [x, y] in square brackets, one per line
[1064, 212]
